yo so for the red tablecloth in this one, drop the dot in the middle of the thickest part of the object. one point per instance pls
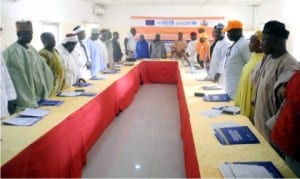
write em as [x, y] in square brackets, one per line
[62, 151]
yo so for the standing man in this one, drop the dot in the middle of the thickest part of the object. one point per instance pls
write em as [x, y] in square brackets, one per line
[84, 56]
[32, 77]
[130, 43]
[53, 60]
[272, 76]
[191, 52]
[158, 48]
[69, 60]
[245, 89]
[203, 50]
[94, 49]
[142, 48]
[178, 47]
[218, 55]
[237, 56]
[117, 52]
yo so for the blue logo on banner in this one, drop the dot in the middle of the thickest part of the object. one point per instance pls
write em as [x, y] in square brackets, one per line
[150, 22]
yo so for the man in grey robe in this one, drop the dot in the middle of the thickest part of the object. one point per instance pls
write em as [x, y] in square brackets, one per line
[271, 77]
[32, 77]
[237, 56]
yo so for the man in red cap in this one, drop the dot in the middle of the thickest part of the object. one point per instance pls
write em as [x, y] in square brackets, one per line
[237, 56]
[32, 77]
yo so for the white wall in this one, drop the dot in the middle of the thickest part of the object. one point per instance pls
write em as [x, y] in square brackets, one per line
[117, 18]
[68, 13]
[287, 12]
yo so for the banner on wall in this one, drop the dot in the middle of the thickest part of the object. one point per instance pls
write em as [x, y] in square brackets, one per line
[168, 27]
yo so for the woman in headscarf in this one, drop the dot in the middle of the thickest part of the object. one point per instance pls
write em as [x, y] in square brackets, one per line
[245, 89]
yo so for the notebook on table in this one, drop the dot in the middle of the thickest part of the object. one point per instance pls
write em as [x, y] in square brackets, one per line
[235, 135]
[27, 117]
[253, 169]
[216, 97]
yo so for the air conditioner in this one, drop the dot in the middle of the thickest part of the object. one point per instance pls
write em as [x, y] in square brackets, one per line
[98, 10]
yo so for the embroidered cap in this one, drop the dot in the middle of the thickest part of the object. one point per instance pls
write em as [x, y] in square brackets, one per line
[23, 26]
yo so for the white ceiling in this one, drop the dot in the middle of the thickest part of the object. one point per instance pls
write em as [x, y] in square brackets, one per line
[176, 2]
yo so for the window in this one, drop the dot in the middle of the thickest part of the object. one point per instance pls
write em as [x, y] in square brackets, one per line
[51, 27]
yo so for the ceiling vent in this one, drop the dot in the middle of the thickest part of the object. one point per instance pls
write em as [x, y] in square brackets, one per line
[98, 10]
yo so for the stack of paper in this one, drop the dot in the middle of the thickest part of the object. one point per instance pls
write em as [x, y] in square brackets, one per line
[249, 170]
[212, 87]
[27, 117]
[111, 71]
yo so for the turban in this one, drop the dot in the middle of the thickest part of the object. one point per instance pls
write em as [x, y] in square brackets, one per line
[95, 31]
[70, 38]
[23, 26]
[202, 35]
[78, 29]
[258, 35]
[193, 33]
[234, 24]
[276, 29]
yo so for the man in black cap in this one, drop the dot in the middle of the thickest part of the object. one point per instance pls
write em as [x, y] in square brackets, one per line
[271, 77]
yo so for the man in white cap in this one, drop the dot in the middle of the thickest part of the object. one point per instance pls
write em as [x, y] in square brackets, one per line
[32, 77]
[218, 55]
[69, 60]
[84, 56]
[94, 49]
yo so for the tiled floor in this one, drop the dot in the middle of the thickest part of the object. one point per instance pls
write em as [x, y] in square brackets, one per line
[143, 141]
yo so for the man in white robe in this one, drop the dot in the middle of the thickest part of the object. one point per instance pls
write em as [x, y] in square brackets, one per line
[191, 51]
[83, 59]
[68, 55]
[96, 56]
[218, 55]
[8, 91]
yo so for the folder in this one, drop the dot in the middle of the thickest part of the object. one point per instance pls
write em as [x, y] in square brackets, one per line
[257, 169]
[47, 102]
[216, 97]
[231, 110]
[235, 135]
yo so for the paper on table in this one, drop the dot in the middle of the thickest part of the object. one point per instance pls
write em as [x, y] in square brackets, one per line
[21, 121]
[34, 112]
[224, 124]
[229, 170]
[69, 94]
[211, 113]
[99, 77]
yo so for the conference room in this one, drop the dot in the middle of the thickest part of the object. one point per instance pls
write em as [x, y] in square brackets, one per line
[149, 117]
